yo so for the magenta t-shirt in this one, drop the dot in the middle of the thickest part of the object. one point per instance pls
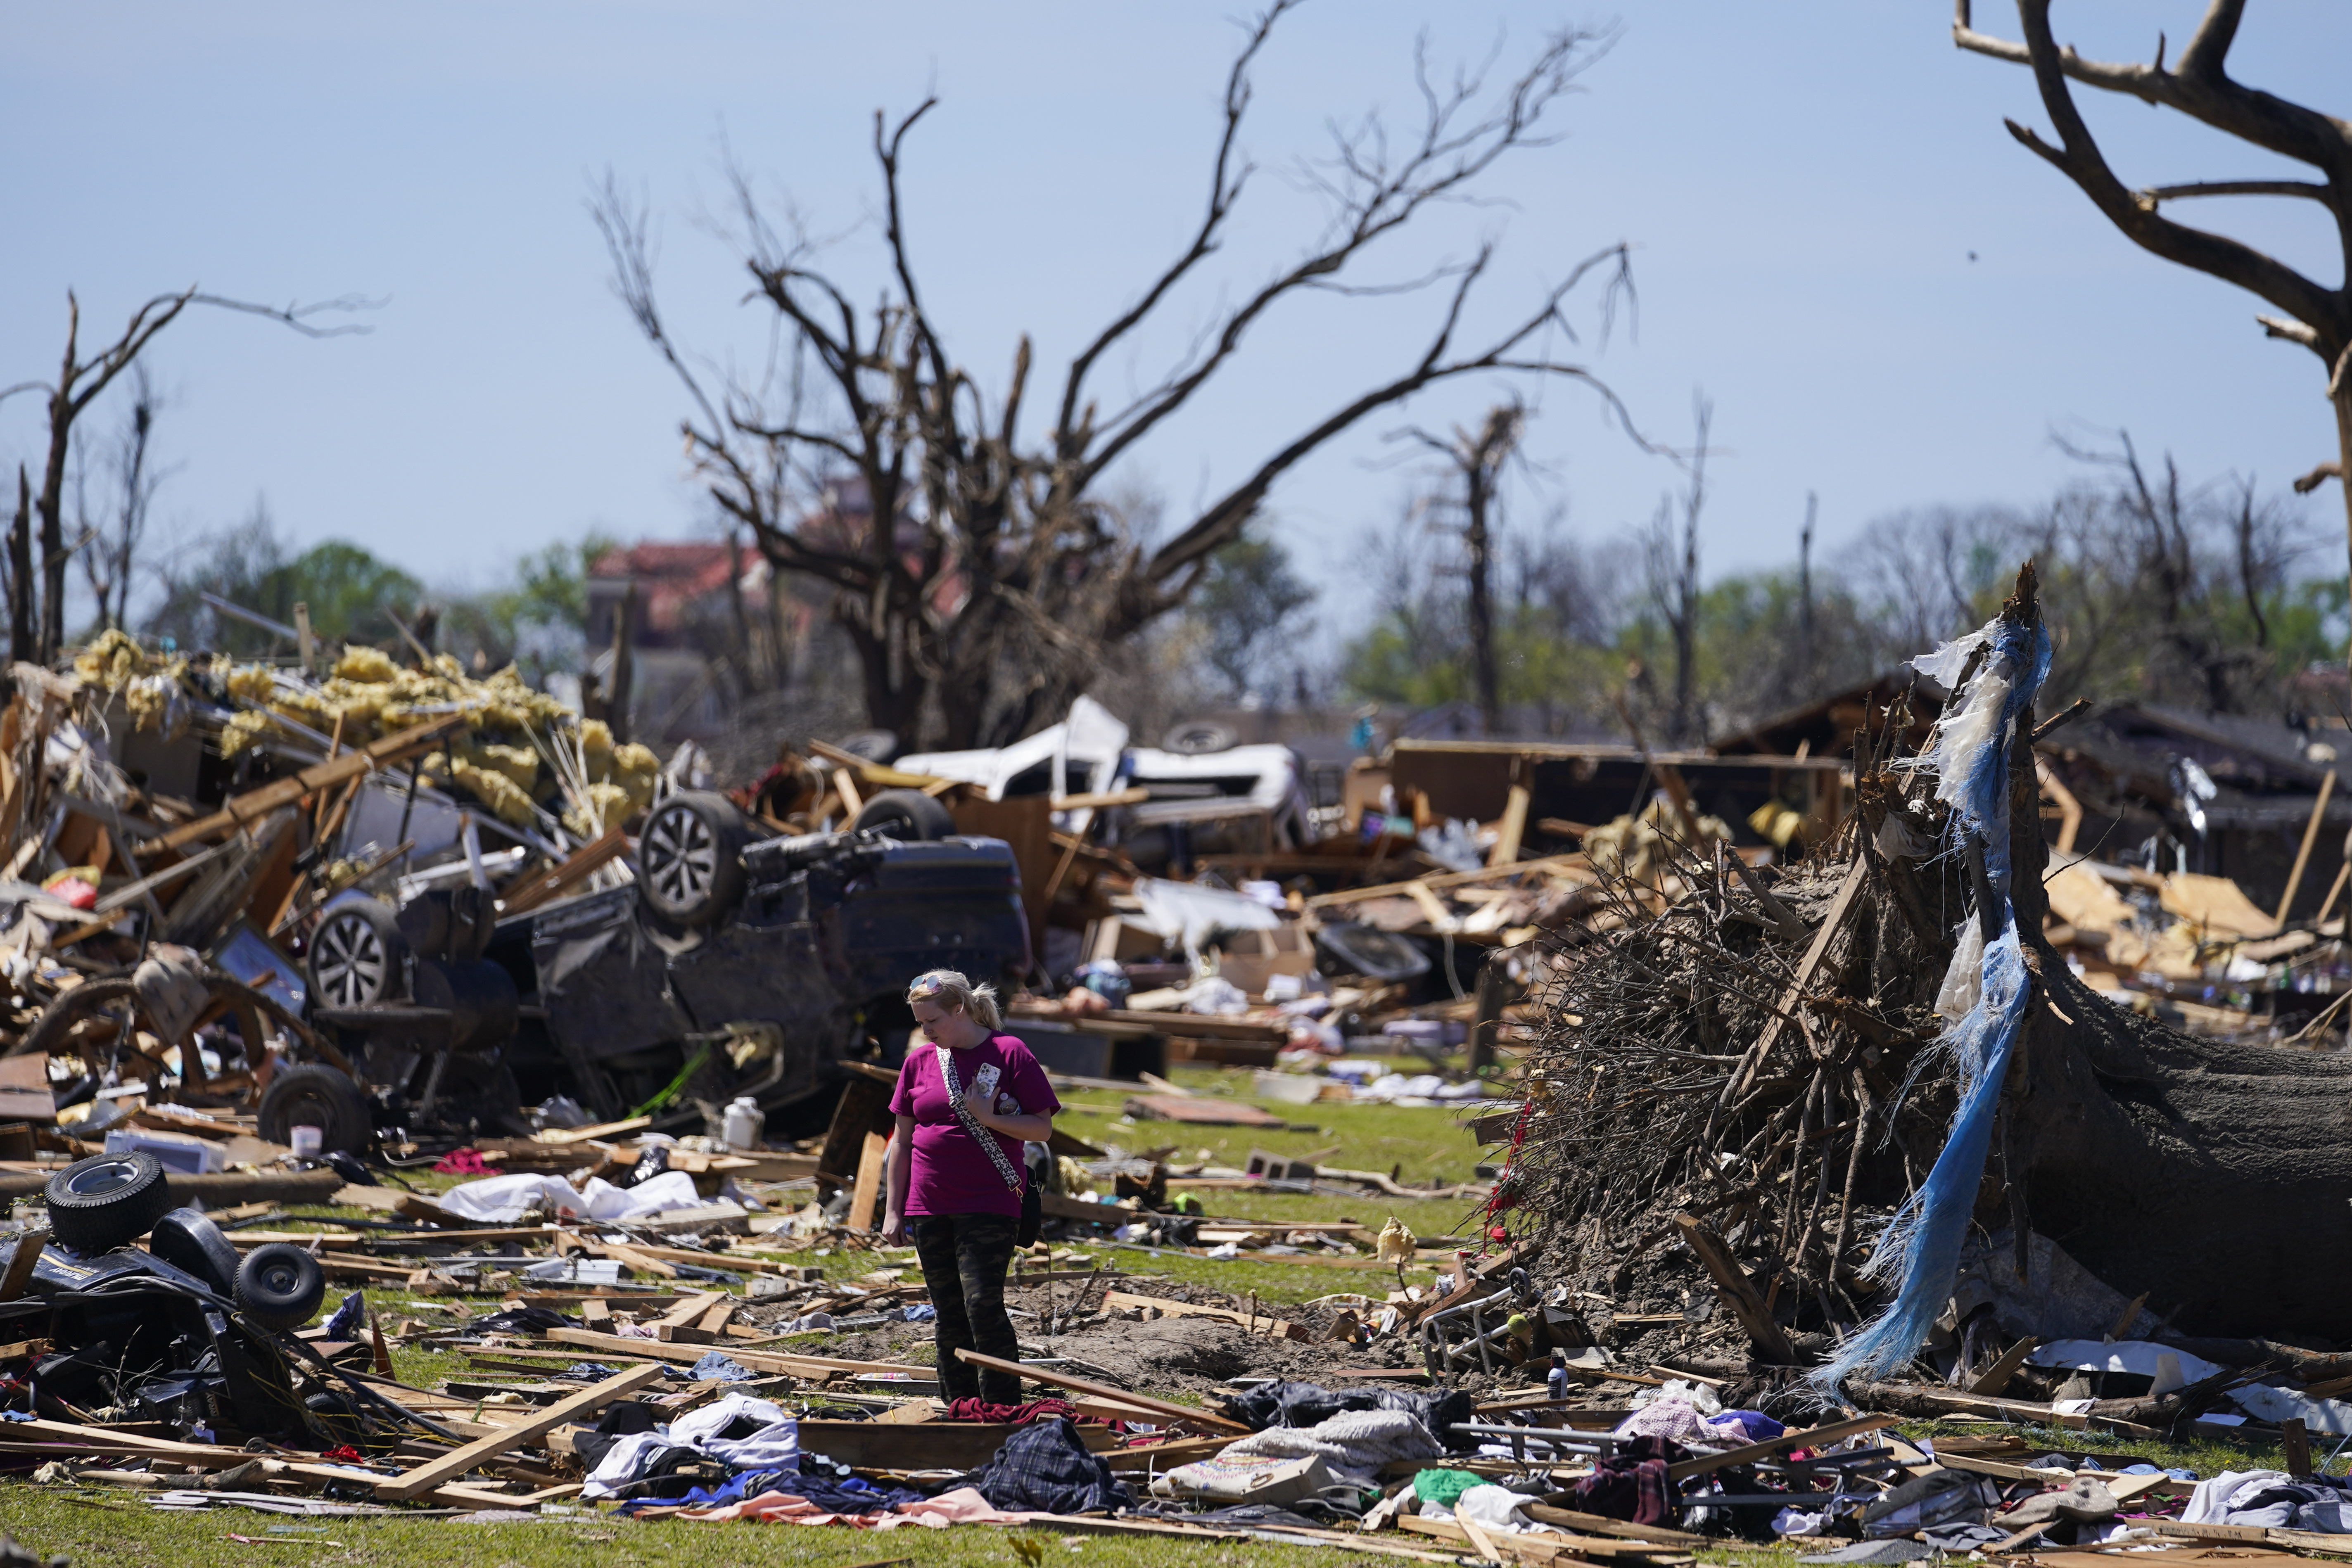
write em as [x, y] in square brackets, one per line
[952, 1174]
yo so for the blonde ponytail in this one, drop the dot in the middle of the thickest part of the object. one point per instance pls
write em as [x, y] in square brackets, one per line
[954, 993]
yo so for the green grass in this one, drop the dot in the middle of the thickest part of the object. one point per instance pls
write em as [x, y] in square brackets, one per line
[106, 1528]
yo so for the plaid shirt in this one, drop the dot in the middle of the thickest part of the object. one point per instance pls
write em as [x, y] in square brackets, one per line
[1045, 1468]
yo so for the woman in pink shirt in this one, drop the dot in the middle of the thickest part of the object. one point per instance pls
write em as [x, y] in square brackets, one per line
[968, 1097]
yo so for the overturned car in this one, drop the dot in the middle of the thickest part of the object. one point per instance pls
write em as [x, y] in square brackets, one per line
[736, 963]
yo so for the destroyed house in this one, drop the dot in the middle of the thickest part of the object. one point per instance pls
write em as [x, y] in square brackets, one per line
[2221, 794]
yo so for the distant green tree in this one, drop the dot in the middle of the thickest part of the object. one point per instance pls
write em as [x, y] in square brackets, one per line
[1248, 603]
[348, 591]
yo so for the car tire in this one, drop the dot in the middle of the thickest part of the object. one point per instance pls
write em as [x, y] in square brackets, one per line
[107, 1201]
[1372, 952]
[279, 1286]
[907, 814]
[315, 1095]
[357, 954]
[690, 857]
[188, 1240]
[1198, 738]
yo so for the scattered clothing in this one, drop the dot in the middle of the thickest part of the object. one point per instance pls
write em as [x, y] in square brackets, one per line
[1309, 1404]
[1632, 1483]
[2084, 1500]
[2270, 1500]
[1442, 1486]
[1355, 1443]
[1045, 1468]
[721, 1367]
[1014, 1415]
[1938, 1499]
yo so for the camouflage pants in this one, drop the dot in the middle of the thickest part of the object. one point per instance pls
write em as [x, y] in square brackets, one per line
[964, 1257]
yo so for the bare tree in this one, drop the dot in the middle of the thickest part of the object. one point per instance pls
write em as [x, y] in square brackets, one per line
[1672, 557]
[989, 571]
[1478, 457]
[38, 631]
[109, 544]
[2199, 87]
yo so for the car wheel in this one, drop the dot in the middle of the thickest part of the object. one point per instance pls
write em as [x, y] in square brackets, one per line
[314, 1095]
[279, 1286]
[1372, 952]
[907, 814]
[355, 955]
[690, 857]
[101, 1202]
[188, 1240]
[1198, 737]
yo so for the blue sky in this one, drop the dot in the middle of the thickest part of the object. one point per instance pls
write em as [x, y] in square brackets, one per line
[1803, 186]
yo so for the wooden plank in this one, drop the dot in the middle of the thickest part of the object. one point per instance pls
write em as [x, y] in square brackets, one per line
[576, 869]
[866, 1198]
[1514, 828]
[1817, 1437]
[255, 804]
[758, 1361]
[1102, 1391]
[1740, 1292]
[2302, 853]
[1598, 1525]
[1439, 917]
[20, 1264]
[601, 1130]
[1575, 862]
[1996, 1376]
[450, 1466]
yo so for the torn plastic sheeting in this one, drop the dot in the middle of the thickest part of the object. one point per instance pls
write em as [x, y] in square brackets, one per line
[2143, 1357]
[1191, 913]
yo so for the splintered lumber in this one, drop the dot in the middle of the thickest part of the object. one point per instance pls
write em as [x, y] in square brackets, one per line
[758, 1361]
[1996, 1376]
[19, 1272]
[1817, 1437]
[1793, 997]
[1576, 862]
[455, 1463]
[558, 881]
[1740, 1292]
[1543, 1514]
[255, 804]
[1101, 1391]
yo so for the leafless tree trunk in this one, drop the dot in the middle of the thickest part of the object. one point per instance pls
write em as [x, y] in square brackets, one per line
[1479, 457]
[990, 572]
[39, 633]
[2199, 87]
[1806, 667]
[109, 547]
[1674, 579]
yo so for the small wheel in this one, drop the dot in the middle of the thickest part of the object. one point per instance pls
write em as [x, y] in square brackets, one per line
[907, 814]
[101, 1202]
[314, 1095]
[1198, 737]
[355, 953]
[189, 1241]
[279, 1286]
[690, 857]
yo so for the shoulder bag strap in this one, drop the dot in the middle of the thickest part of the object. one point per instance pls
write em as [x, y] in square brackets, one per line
[981, 1134]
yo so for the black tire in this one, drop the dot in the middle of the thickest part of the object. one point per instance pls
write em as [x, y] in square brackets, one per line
[1372, 952]
[279, 1286]
[314, 1095]
[189, 1241]
[907, 814]
[1198, 737]
[356, 954]
[690, 857]
[107, 1201]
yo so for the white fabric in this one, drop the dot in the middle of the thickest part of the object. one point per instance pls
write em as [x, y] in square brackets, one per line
[1191, 913]
[775, 1444]
[671, 1190]
[1495, 1511]
[1963, 983]
[1354, 1443]
[2210, 1503]
[502, 1200]
[622, 1461]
